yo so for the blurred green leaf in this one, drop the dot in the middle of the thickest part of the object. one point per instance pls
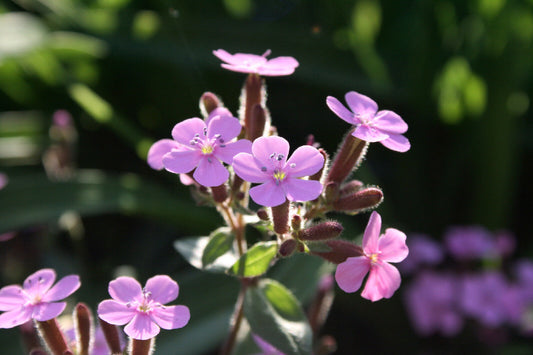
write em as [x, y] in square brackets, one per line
[255, 261]
[220, 242]
[194, 250]
[277, 317]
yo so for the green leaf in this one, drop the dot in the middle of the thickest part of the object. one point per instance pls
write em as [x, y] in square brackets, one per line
[255, 261]
[275, 315]
[220, 242]
[194, 251]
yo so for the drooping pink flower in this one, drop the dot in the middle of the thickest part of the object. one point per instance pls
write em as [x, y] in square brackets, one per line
[279, 177]
[36, 299]
[266, 348]
[470, 242]
[201, 146]
[370, 124]
[143, 309]
[383, 279]
[422, 251]
[257, 64]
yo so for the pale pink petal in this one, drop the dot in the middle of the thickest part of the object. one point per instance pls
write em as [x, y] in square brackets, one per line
[186, 180]
[15, 317]
[172, 317]
[371, 235]
[162, 289]
[361, 104]
[227, 127]
[278, 66]
[223, 55]
[46, 311]
[350, 273]
[63, 288]
[158, 150]
[39, 282]
[268, 194]
[181, 161]
[305, 161]
[369, 134]
[390, 122]
[340, 110]
[210, 172]
[246, 167]
[125, 289]
[302, 190]
[185, 131]
[397, 143]
[231, 149]
[383, 280]
[219, 111]
[116, 313]
[239, 68]
[11, 297]
[264, 147]
[392, 246]
[141, 327]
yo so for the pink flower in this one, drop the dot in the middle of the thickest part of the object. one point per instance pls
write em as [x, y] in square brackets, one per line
[384, 279]
[266, 348]
[279, 177]
[143, 309]
[202, 146]
[384, 126]
[258, 64]
[36, 299]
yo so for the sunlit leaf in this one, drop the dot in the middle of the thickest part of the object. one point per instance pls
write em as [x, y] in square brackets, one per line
[255, 261]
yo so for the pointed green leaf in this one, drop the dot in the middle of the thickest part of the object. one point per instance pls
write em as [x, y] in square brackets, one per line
[220, 242]
[255, 261]
[276, 316]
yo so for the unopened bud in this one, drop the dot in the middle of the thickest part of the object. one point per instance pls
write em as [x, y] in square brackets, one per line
[296, 222]
[287, 247]
[280, 217]
[83, 319]
[331, 191]
[318, 175]
[351, 187]
[111, 336]
[52, 336]
[219, 193]
[359, 201]
[258, 120]
[336, 251]
[321, 231]
[347, 158]
[253, 93]
[262, 214]
[209, 102]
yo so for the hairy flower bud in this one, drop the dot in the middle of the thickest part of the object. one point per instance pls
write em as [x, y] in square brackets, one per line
[331, 191]
[350, 187]
[253, 93]
[280, 216]
[287, 247]
[296, 222]
[219, 193]
[111, 336]
[347, 158]
[209, 102]
[263, 214]
[258, 119]
[321, 231]
[336, 251]
[359, 201]
[318, 175]
[84, 329]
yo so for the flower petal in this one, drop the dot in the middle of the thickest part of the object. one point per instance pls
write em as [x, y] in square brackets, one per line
[305, 161]
[390, 122]
[39, 282]
[210, 172]
[223, 55]
[63, 288]
[185, 131]
[302, 190]
[11, 297]
[397, 143]
[361, 104]
[181, 161]
[247, 168]
[162, 288]
[231, 149]
[340, 110]
[172, 317]
[141, 327]
[46, 311]
[371, 235]
[392, 246]
[227, 127]
[369, 134]
[350, 273]
[278, 66]
[125, 289]
[116, 313]
[268, 194]
[219, 111]
[383, 280]
[15, 317]
[158, 150]
[264, 147]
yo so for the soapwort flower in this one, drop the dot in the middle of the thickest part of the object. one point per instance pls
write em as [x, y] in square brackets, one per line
[257, 64]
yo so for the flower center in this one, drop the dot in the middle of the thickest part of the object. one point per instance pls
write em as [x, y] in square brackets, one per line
[373, 258]
[279, 175]
[207, 149]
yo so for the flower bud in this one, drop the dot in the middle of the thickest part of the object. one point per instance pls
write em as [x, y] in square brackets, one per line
[351, 187]
[53, 337]
[360, 200]
[321, 231]
[253, 93]
[331, 192]
[209, 102]
[347, 158]
[287, 247]
[219, 193]
[318, 175]
[263, 214]
[258, 120]
[83, 320]
[111, 336]
[280, 217]
[336, 251]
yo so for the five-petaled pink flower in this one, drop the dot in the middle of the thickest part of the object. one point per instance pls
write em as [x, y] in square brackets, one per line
[279, 177]
[257, 64]
[201, 145]
[36, 299]
[384, 279]
[370, 124]
[143, 309]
